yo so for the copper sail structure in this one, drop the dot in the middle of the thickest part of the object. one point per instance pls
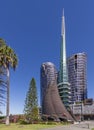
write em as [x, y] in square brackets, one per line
[50, 99]
[63, 84]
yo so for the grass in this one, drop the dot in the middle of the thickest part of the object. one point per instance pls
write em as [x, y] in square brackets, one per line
[92, 128]
[25, 127]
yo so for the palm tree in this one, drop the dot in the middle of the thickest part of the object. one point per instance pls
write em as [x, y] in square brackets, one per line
[8, 59]
[2, 86]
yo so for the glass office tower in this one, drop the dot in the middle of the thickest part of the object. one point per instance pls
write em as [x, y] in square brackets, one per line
[77, 76]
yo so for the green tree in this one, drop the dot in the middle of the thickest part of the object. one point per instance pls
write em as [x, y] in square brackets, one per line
[31, 102]
[8, 59]
[2, 87]
[2, 81]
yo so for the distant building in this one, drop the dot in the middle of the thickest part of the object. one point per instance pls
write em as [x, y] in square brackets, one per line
[77, 77]
[88, 101]
[51, 103]
[83, 111]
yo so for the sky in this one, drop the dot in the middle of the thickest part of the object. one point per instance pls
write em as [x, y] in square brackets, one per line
[33, 29]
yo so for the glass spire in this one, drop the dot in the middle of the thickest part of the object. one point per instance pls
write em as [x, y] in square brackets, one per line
[63, 85]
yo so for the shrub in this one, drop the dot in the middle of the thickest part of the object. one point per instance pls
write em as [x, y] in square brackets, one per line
[21, 121]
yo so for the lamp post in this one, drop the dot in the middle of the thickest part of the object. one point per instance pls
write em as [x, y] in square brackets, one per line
[81, 114]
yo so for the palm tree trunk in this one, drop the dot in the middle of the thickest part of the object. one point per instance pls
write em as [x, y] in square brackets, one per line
[8, 93]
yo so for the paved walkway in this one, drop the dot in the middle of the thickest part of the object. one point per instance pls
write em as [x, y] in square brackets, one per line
[80, 126]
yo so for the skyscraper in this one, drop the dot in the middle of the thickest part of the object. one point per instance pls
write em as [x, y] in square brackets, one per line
[77, 76]
[63, 85]
[48, 76]
[50, 100]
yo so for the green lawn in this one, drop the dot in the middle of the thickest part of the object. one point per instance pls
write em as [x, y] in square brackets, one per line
[24, 127]
[93, 129]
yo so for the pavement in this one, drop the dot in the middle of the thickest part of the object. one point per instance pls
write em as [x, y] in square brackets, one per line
[85, 125]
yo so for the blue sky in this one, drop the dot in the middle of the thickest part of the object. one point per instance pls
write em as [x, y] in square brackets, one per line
[33, 28]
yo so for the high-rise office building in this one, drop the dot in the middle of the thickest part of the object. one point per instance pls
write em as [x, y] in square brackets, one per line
[63, 85]
[50, 100]
[48, 76]
[77, 76]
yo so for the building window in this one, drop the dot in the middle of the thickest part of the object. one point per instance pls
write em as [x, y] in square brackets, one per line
[75, 65]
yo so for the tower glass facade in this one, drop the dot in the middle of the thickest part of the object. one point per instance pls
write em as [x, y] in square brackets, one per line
[63, 84]
[77, 76]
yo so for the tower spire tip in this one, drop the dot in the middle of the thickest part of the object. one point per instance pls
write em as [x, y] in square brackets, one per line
[63, 11]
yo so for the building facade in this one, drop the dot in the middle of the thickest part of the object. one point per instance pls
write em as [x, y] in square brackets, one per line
[77, 77]
[63, 84]
[83, 111]
[48, 76]
[50, 100]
